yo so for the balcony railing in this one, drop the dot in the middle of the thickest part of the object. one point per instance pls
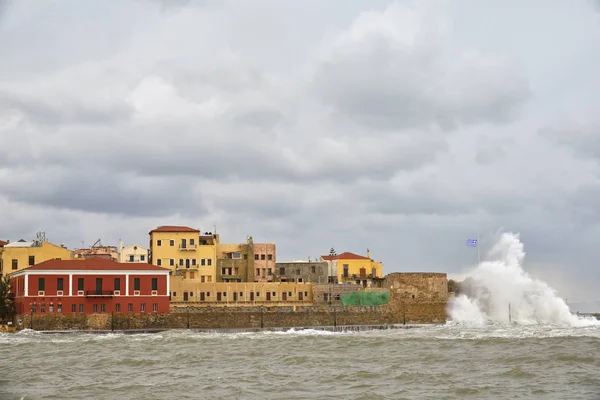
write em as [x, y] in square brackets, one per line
[99, 293]
[188, 247]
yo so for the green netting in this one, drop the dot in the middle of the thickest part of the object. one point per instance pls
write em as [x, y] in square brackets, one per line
[365, 298]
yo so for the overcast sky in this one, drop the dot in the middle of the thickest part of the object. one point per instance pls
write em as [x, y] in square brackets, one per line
[403, 127]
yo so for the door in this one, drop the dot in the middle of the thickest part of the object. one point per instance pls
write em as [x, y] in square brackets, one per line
[185, 296]
[235, 296]
[365, 283]
[300, 296]
[284, 296]
[363, 272]
[251, 296]
[98, 285]
[183, 243]
[218, 296]
[201, 296]
[187, 262]
[268, 296]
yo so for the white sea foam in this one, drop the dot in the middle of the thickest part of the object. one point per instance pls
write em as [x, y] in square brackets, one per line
[499, 290]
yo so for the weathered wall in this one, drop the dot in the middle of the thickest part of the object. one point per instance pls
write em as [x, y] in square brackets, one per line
[418, 285]
[409, 312]
[301, 271]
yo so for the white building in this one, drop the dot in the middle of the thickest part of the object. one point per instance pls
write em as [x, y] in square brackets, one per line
[133, 254]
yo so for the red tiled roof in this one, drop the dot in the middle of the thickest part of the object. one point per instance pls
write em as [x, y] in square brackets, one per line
[91, 264]
[3, 243]
[345, 256]
[172, 228]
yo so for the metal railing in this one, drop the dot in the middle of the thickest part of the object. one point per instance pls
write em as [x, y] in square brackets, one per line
[99, 292]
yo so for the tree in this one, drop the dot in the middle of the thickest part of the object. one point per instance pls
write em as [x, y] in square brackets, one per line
[7, 307]
[332, 252]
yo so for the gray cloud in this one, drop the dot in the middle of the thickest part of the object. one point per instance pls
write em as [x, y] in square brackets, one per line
[404, 128]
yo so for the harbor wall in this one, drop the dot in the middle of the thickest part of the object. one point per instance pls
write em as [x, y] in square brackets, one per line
[409, 312]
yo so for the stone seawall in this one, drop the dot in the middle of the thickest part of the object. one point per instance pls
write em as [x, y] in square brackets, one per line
[409, 312]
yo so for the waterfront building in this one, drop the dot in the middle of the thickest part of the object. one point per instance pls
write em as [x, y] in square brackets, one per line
[185, 251]
[97, 250]
[133, 254]
[90, 285]
[187, 293]
[353, 268]
[302, 271]
[264, 262]
[235, 262]
[16, 256]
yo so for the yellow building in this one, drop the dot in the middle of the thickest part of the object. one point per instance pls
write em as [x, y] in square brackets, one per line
[188, 253]
[187, 293]
[19, 255]
[354, 268]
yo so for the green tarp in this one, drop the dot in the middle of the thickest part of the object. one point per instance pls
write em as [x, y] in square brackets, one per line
[365, 298]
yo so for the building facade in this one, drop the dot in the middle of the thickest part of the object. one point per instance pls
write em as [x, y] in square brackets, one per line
[133, 254]
[87, 286]
[224, 294]
[16, 256]
[264, 262]
[186, 252]
[354, 268]
[301, 271]
[235, 262]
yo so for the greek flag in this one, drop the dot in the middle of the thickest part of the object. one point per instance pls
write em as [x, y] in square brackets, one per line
[472, 242]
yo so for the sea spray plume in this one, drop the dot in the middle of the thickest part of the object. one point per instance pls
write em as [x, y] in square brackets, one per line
[500, 281]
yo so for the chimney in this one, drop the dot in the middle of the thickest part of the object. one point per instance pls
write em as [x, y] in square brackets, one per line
[368, 254]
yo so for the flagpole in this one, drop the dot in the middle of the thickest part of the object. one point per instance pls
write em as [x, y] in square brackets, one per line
[478, 256]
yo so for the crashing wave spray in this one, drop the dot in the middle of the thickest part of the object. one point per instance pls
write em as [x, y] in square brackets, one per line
[501, 291]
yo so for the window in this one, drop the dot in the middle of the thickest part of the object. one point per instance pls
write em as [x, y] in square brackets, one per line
[236, 255]
[117, 284]
[282, 271]
[171, 243]
[181, 262]
[172, 261]
[192, 275]
[31, 260]
[136, 283]
[174, 294]
[374, 272]
[118, 307]
[345, 270]
[155, 307]
[159, 242]
[257, 271]
[209, 261]
[95, 308]
[43, 307]
[143, 307]
[270, 257]
[155, 283]
[142, 257]
[269, 272]
[15, 264]
[130, 307]
[191, 242]
[256, 256]
[193, 261]
[81, 308]
[245, 256]
[73, 308]
[202, 278]
[131, 258]
[79, 283]
[59, 284]
[297, 272]
[41, 284]
[51, 308]
[102, 307]
[203, 261]
[262, 256]
[313, 269]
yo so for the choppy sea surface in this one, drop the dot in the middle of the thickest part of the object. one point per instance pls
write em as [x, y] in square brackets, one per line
[433, 362]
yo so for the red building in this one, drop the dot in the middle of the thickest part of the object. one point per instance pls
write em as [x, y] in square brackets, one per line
[90, 286]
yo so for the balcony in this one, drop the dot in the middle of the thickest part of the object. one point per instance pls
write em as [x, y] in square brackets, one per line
[99, 293]
[188, 247]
